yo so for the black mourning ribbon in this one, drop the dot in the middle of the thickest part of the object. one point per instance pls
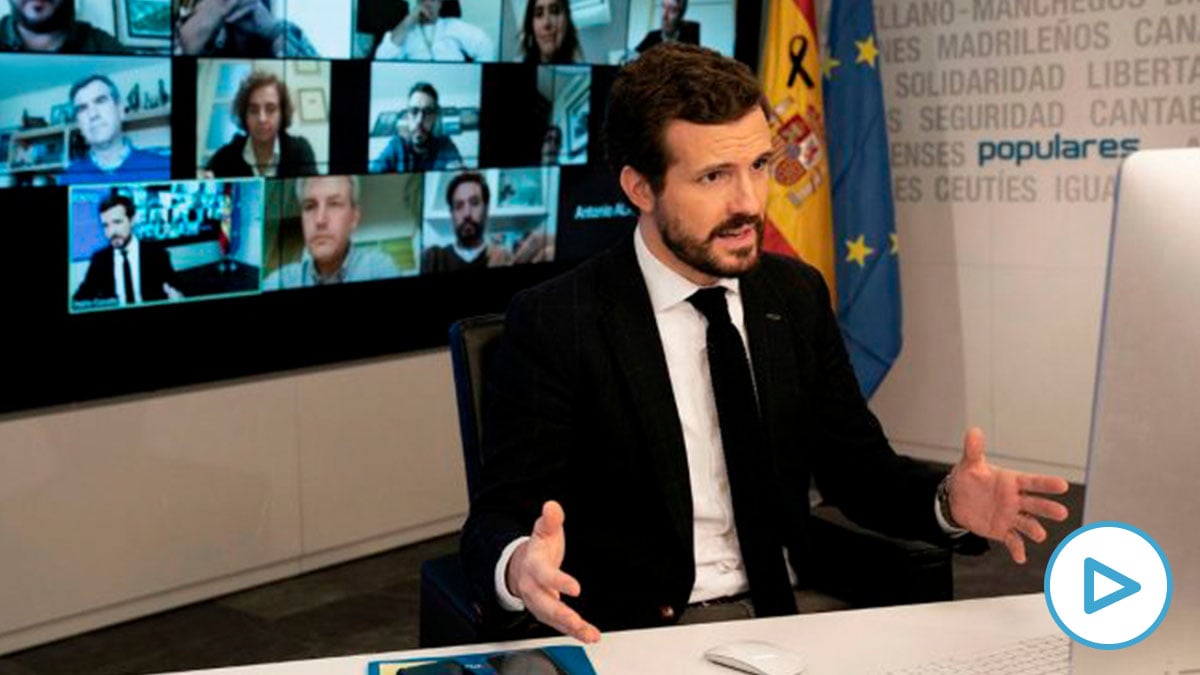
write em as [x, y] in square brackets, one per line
[797, 48]
[746, 458]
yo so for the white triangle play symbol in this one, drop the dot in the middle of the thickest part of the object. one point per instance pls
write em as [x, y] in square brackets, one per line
[1105, 586]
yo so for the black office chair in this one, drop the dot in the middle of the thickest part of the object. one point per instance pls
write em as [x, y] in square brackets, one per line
[858, 566]
[449, 612]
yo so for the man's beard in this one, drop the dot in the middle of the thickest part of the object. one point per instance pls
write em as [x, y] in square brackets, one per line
[471, 240]
[60, 19]
[420, 142]
[699, 255]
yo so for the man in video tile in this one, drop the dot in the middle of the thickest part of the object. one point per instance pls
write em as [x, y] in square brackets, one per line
[130, 270]
[427, 35]
[674, 28]
[468, 197]
[244, 28]
[50, 26]
[329, 214]
[263, 109]
[100, 118]
[424, 148]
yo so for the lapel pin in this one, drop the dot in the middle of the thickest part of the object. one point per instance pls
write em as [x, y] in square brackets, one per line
[774, 317]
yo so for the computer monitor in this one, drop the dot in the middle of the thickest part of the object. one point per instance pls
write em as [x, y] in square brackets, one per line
[1144, 463]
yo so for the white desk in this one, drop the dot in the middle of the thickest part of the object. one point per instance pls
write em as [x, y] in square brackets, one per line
[858, 641]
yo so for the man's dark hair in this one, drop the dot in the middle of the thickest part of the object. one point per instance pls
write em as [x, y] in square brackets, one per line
[253, 82]
[673, 81]
[682, 8]
[424, 88]
[467, 177]
[112, 88]
[115, 199]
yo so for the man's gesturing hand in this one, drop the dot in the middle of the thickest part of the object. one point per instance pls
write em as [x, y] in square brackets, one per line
[535, 576]
[1000, 504]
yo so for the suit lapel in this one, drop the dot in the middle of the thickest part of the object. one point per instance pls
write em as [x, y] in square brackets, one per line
[109, 279]
[630, 329]
[772, 352]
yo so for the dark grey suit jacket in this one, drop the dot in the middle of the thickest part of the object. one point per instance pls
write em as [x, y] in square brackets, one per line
[689, 34]
[99, 284]
[580, 409]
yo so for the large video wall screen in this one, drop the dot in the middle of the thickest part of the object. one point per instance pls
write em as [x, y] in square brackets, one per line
[208, 189]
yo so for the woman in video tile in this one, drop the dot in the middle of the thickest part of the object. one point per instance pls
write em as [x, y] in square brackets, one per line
[548, 34]
[263, 110]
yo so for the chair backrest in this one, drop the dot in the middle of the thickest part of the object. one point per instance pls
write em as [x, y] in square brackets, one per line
[472, 342]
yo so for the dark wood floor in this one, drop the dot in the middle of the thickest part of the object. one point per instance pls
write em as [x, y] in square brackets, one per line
[369, 605]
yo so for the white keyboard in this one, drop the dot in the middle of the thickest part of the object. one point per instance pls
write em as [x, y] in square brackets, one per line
[1046, 655]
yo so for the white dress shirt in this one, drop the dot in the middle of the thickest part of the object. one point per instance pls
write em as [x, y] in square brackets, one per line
[268, 170]
[682, 329]
[447, 39]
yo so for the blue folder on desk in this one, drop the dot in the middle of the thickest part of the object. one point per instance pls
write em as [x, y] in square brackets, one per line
[556, 660]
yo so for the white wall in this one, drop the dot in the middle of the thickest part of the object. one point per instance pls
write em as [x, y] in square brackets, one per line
[326, 23]
[1003, 290]
[121, 509]
[485, 15]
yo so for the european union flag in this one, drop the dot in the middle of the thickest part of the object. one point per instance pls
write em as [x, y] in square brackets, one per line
[868, 271]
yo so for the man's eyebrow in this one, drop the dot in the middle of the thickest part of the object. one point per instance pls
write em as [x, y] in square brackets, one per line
[725, 166]
[712, 168]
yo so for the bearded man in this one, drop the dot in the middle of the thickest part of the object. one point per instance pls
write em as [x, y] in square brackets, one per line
[50, 26]
[468, 199]
[675, 396]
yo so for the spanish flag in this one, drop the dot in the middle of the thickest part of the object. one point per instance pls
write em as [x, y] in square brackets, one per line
[799, 207]
[831, 198]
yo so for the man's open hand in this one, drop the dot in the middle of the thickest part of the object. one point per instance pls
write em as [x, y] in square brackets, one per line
[1001, 504]
[535, 576]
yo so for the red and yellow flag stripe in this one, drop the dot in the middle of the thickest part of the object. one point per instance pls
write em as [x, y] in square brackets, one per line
[799, 207]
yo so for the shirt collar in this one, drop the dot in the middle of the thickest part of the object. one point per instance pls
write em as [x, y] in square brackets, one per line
[469, 254]
[667, 287]
[126, 150]
[308, 269]
[252, 160]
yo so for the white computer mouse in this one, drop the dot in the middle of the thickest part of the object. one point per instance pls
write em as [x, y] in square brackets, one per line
[754, 656]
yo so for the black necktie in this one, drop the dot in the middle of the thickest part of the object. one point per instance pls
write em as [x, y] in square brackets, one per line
[130, 298]
[746, 458]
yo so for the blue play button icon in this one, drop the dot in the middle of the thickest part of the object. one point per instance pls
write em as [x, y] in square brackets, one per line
[1092, 604]
[1079, 587]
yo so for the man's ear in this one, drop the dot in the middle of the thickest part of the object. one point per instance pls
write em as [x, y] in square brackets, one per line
[637, 189]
